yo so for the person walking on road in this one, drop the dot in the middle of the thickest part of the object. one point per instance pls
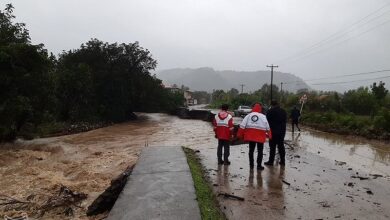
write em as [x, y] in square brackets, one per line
[277, 118]
[295, 114]
[254, 129]
[223, 127]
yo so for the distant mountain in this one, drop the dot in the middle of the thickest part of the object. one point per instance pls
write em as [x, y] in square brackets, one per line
[207, 79]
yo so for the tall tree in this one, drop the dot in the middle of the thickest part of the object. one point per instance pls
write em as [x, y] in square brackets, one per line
[379, 90]
[109, 82]
[26, 80]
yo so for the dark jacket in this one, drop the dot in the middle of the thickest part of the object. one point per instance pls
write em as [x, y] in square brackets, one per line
[295, 114]
[277, 119]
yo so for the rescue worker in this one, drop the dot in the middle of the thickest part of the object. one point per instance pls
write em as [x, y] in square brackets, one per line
[223, 127]
[295, 114]
[254, 129]
[277, 118]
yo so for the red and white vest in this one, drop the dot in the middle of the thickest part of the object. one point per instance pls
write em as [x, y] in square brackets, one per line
[223, 125]
[254, 128]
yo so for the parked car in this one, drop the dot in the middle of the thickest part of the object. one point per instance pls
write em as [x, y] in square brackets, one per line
[242, 110]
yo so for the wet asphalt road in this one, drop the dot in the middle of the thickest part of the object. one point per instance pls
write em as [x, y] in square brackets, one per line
[324, 177]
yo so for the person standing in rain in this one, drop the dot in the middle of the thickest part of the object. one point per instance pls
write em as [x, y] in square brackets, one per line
[277, 118]
[295, 114]
[254, 129]
[223, 127]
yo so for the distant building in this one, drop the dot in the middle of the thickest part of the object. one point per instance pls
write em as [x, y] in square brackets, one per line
[172, 88]
[189, 100]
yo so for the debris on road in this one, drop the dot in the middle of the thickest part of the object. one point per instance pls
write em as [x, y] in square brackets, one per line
[62, 199]
[230, 196]
[285, 182]
[360, 177]
[340, 163]
[374, 176]
[324, 204]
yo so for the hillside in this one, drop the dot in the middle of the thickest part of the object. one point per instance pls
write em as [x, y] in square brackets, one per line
[207, 79]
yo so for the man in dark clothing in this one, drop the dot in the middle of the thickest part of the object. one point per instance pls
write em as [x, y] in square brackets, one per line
[295, 114]
[277, 119]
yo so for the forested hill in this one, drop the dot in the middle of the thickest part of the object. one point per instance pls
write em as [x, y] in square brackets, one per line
[207, 79]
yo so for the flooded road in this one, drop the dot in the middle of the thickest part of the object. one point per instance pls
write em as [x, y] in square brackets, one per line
[326, 173]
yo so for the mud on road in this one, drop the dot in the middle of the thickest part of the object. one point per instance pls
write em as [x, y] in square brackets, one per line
[325, 177]
[326, 173]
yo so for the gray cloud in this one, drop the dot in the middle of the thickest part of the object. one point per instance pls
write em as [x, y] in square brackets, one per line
[223, 34]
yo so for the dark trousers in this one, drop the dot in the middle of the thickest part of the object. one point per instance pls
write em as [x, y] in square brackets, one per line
[252, 146]
[226, 149]
[279, 142]
[294, 122]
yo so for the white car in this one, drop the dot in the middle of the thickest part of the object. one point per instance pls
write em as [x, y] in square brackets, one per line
[243, 110]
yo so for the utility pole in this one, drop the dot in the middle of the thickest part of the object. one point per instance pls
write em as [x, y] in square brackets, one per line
[281, 92]
[272, 76]
[242, 87]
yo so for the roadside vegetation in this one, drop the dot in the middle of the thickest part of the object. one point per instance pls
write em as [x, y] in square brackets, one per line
[207, 201]
[364, 111]
[80, 89]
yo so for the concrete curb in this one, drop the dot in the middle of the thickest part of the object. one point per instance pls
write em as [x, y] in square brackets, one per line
[160, 187]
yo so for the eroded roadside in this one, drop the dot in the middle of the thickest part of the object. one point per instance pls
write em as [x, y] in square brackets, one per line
[34, 171]
[320, 187]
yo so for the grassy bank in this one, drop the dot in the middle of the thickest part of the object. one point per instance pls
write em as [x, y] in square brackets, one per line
[349, 124]
[207, 201]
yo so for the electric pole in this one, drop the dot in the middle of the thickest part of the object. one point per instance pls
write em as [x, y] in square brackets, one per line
[272, 76]
[242, 87]
[281, 92]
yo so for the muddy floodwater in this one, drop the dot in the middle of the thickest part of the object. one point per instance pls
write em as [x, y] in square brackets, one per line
[326, 176]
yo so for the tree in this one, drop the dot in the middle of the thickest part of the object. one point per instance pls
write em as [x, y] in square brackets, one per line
[11, 32]
[379, 91]
[233, 92]
[108, 82]
[265, 93]
[203, 97]
[219, 95]
[360, 101]
[26, 79]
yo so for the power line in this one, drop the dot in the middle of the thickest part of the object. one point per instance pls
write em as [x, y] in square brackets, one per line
[354, 74]
[339, 33]
[341, 76]
[336, 37]
[356, 36]
[361, 80]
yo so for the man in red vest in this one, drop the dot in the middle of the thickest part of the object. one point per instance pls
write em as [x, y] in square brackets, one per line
[223, 127]
[254, 129]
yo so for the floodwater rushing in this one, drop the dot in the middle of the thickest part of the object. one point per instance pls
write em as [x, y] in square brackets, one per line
[318, 181]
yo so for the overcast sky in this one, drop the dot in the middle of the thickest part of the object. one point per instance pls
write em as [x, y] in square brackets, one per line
[226, 34]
